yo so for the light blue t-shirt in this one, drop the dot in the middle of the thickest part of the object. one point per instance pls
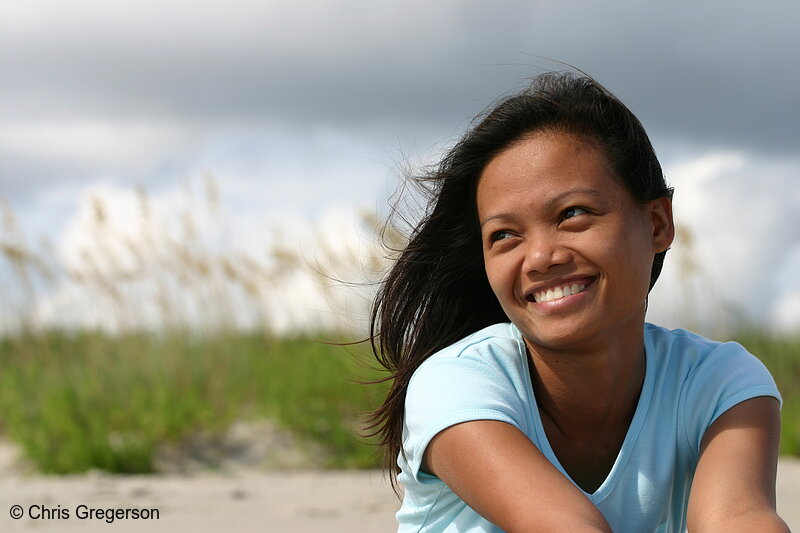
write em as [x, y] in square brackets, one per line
[689, 381]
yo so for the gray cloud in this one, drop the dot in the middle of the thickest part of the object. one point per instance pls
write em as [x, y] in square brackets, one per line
[314, 99]
[705, 74]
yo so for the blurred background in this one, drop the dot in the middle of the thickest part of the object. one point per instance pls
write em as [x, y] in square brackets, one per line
[191, 197]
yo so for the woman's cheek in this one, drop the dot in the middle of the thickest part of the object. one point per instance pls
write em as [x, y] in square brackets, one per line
[502, 276]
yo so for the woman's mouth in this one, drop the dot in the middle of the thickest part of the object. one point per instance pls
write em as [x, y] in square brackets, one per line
[558, 292]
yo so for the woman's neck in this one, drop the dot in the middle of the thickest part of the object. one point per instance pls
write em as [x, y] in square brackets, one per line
[593, 388]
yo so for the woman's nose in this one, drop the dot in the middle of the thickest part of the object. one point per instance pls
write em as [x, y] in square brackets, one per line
[544, 252]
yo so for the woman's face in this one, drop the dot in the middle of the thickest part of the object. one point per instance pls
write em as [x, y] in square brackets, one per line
[567, 250]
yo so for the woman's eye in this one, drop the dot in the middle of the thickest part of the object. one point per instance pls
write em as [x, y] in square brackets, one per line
[573, 212]
[499, 235]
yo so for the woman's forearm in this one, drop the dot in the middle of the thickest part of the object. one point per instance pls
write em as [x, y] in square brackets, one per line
[761, 520]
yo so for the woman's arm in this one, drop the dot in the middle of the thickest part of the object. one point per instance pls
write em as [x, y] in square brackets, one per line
[734, 485]
[501, 474]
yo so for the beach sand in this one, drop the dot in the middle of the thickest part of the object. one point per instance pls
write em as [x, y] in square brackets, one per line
[247, 502]
[298, 502]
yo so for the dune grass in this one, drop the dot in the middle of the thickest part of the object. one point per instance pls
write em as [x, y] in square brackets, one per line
[82, 400]
[182, 305]
[181, 362]
[77, 401]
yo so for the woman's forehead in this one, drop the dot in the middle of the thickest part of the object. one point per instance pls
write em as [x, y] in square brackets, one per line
[546, 166]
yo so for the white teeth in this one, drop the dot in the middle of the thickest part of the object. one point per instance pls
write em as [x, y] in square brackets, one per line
[558, 292]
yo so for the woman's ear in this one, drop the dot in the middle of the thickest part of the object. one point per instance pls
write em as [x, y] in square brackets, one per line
[663, 226]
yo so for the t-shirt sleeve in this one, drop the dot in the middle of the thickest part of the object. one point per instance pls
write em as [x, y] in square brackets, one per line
[449, 391]
[727, 376]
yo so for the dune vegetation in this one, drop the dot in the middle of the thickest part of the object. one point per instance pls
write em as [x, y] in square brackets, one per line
[184, 342]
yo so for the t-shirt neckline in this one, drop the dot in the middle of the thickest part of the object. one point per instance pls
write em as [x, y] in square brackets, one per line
[631, 436]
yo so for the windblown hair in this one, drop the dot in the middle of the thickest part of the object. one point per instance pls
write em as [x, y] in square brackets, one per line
[437, 291]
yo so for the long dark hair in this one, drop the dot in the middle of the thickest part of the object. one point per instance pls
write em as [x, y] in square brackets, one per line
[437, 291]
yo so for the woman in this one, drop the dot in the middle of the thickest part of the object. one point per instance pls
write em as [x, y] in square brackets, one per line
[528, 392]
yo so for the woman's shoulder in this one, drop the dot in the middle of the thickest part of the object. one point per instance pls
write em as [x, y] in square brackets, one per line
[684, 346]
[666, 337]
[709, 376]
[497, 348]
[501, 338]
[706, 367]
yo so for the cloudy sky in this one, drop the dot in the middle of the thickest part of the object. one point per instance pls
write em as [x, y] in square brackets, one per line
[305, 111]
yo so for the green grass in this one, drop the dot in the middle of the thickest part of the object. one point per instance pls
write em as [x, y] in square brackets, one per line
[76, 401]
[83, 400]
[782, 356]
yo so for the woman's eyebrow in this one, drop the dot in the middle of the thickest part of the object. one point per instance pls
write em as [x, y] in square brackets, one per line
[501, 215]
[552, 202]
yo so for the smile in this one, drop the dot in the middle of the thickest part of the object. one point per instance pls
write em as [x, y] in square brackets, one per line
[556, 293]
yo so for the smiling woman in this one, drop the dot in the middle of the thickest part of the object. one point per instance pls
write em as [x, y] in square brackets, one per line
[552, 217]
[528, 392]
